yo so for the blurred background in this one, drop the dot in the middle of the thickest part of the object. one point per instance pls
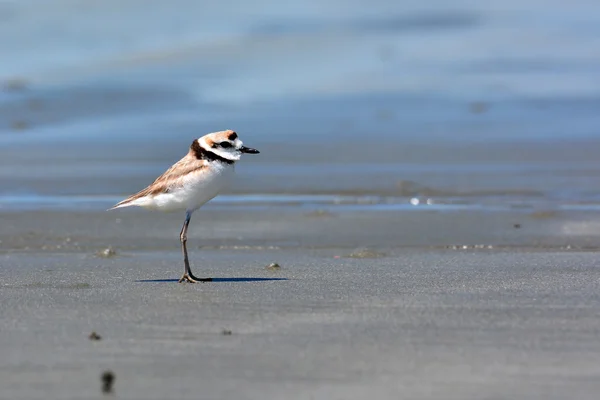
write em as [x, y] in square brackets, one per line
[380, 103]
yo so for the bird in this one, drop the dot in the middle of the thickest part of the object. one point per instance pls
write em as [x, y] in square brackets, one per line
[191, 182]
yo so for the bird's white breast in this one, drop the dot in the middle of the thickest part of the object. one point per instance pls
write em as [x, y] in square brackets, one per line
[198, 188]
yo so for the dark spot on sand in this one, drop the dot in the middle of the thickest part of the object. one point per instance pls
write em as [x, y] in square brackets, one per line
[94, 336]
[273, 267]
[517, 226]
[19, 125]
[226, 332]
[479, 107]
[15, 85]
[108, 380]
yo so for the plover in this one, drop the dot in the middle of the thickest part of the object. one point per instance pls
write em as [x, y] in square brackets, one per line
[192, 181]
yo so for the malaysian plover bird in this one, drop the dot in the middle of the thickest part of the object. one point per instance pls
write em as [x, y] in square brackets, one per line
[192, 181]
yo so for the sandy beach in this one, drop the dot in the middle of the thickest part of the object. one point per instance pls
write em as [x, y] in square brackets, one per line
[348, 315]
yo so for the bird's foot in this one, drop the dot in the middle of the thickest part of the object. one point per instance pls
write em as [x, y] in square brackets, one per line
[192, 279]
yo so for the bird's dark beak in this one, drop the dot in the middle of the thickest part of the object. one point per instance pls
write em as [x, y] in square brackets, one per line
[248, 150]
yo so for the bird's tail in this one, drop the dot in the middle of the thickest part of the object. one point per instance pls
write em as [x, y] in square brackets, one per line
[128, 202]
[141, 199]
[118, 205]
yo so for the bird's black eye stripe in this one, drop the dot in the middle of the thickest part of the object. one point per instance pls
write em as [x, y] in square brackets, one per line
[225, 145]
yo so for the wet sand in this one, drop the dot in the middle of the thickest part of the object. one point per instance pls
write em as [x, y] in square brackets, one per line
[396, 309]
[294, 228]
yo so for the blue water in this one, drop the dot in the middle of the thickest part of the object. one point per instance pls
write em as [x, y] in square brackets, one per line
[464, 102]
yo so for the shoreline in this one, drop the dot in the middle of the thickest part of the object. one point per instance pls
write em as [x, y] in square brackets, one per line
[299, 228]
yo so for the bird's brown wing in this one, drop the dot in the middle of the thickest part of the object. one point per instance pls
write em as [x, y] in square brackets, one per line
[170, 179]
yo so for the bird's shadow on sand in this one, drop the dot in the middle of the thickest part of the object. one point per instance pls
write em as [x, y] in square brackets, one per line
[219, 280]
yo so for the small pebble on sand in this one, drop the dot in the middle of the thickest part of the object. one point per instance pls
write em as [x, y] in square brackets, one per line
[273, 267]
[106, 253]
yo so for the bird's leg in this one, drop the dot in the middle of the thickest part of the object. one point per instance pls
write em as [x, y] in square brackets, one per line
[187, 275]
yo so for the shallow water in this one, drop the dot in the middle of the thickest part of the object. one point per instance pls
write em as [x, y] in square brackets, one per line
[450, 103]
